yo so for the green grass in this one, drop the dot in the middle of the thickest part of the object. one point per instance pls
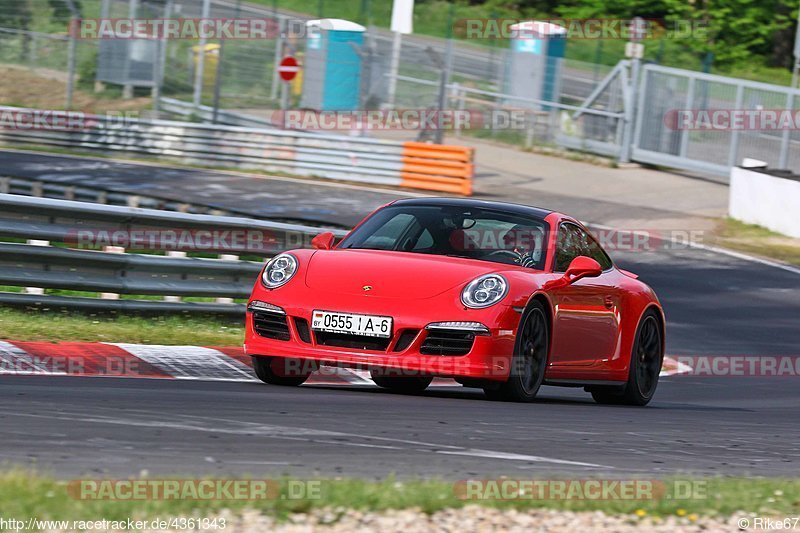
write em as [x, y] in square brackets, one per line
[24, 493]
[757, 240]
[52, 325]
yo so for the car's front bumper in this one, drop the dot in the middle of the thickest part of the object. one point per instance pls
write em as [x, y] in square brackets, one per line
[488, 358]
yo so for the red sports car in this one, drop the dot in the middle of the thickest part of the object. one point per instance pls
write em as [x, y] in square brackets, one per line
[498, 296]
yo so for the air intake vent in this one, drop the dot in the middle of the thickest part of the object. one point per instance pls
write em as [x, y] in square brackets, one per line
[447, 342]
[359, 342]
[271, 325]
[302, 329]
[405, 340]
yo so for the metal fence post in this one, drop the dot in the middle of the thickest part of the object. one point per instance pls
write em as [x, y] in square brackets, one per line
[282, 29]
[445, 78]
[629, 119]
[127, 90]
[198, 74]
[71, 65]
[783, 158]
[394, 67]
[73, 28]
[689, 104]
[734, 146]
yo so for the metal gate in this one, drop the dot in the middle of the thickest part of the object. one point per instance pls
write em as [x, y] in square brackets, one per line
[661, 138]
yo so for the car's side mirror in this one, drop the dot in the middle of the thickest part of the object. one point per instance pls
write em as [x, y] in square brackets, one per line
[582, 267]
[323, 241]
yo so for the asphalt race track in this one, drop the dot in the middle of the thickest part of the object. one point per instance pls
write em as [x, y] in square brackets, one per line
[715, 304]
[297, 199]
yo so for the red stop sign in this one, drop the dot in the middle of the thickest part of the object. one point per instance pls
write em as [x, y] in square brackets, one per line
[288, 68]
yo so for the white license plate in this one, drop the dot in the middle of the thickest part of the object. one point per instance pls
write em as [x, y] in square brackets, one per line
[367, 325]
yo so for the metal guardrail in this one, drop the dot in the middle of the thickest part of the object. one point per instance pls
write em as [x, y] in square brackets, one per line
[38, 265]
[206, 114]
[306, 154]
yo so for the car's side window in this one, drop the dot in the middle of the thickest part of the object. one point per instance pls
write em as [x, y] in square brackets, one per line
[566, 248]
[597, 253]
[573, 242]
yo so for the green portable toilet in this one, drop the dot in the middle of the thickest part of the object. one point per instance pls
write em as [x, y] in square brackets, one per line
[332, 65]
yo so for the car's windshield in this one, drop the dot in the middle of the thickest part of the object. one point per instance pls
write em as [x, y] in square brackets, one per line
[474, 233]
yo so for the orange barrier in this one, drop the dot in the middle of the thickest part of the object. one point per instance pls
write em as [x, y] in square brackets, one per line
[438, 167]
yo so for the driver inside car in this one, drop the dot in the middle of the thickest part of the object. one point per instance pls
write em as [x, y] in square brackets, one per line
[525, 244]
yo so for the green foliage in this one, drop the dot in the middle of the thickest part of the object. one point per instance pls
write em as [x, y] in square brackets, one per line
[15, 14]
[737, 34]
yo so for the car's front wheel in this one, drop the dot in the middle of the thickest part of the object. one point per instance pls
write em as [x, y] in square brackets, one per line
[281, 371]
[529, 362]
[645, 366]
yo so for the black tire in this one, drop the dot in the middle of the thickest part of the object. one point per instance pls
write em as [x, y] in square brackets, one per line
[404, 384]
[646, 360]
[529, 362]
[281, 371]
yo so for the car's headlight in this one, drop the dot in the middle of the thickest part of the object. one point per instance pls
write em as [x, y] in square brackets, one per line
[484, 291]
[279, 271]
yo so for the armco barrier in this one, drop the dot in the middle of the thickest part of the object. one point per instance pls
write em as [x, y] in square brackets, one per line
[40, 265]
[425, 166]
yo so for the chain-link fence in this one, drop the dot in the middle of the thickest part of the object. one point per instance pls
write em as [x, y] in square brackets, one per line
[584, 105]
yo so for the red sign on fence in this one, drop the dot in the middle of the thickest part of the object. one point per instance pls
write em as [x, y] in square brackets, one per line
[288, 68]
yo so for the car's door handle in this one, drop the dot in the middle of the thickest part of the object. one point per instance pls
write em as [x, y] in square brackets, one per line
[609, 302]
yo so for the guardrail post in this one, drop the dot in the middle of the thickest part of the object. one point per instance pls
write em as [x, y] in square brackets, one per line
[5, 185]
[227, 257]
[174, 253]
[37, 189]
[111, 250]
[36, 290]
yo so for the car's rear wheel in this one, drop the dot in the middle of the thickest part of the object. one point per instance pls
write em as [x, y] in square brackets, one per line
[282, 371]
[405, 384]
[529, 362]
[646, 360]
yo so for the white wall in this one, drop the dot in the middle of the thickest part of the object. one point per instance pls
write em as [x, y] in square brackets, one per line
[768, 201]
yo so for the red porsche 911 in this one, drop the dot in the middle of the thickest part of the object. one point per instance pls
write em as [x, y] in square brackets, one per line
[497, 296]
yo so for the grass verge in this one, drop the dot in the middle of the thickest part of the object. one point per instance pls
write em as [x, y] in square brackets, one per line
[26, 494]
[757, 240]
[52, 325]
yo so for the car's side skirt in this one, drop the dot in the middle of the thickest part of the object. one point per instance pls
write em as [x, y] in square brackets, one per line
[583, 382]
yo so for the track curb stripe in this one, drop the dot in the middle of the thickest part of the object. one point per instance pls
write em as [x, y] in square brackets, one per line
[213, 363]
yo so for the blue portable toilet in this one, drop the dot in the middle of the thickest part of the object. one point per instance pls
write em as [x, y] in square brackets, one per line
[534, 69]
[332, 65]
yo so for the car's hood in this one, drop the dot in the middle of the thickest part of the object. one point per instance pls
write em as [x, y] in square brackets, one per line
[391, 274]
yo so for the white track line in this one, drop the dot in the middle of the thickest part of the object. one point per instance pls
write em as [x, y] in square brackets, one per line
[714, 249]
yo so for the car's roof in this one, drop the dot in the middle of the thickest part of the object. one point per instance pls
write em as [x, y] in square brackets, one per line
[517, 209]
